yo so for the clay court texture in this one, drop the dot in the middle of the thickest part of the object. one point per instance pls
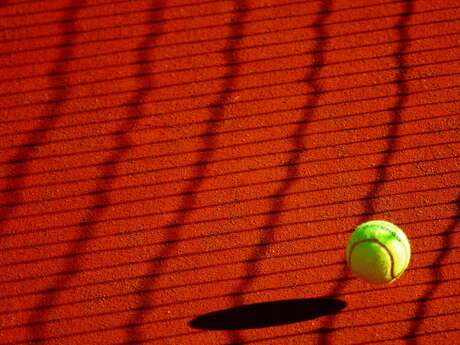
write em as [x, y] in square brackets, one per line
[164, 160]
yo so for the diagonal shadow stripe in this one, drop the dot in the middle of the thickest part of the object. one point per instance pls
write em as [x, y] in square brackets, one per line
[217, 26]
[26, 151]
[190, 136]
[196, 15]
[292, 170]
[150, 197]
[87, 226]
[444, 189]
[187, 317]
[430, 293]
[121, 78]
[173, 229]
[188, 69]
[290, 255]
[274, 153]
[263, 59]
[274, 139]
[46, 124]
[259, 87]
[210, 40]
[145, 215]
[393, 130]
[93, 6]
[140, 230]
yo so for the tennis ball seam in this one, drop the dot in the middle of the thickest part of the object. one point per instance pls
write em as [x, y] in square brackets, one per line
[389, 229]
[396, 235]
[373, 240]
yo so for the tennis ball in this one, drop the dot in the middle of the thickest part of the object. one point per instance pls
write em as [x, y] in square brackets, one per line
[378, 252]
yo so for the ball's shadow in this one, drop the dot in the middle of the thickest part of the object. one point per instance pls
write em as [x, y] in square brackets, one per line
[268, 314]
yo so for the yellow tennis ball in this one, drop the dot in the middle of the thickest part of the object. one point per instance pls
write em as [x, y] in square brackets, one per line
[378, 252]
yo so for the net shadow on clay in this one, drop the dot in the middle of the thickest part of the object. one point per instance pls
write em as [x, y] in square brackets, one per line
[86, 227]
[175, 227]
[393, 131]
[292, 166]
[422, 303]
[39, 137]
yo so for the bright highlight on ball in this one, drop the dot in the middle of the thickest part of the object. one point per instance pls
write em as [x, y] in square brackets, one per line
[378, 252]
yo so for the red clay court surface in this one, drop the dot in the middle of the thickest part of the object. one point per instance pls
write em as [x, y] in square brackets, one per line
[162, 160]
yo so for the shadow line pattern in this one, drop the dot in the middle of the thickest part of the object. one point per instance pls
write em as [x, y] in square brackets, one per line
[232, 263]
[209, 220]
[187, 317]
[250, 73]
[261, 86]
[209, 40]
[216, 26]
[264, 197]
[200, 135]
[90, 299]
[264, 59]
[230, 159]
[201, 298]
[394, 124]
[40, 135]
[292, 166]
[189, 197]
[215, 281]
[197, 15]
[49, 297]
[190, 194]
[132, 201]
[445, 189]
[270, 140]
[23, 157]
[194, 16]
[98, 4]
[41, 244]
[430, 293]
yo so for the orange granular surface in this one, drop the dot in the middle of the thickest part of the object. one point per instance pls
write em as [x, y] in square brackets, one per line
[161, 160]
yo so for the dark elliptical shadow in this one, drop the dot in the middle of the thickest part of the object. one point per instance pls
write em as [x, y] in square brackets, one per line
[268, 314]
